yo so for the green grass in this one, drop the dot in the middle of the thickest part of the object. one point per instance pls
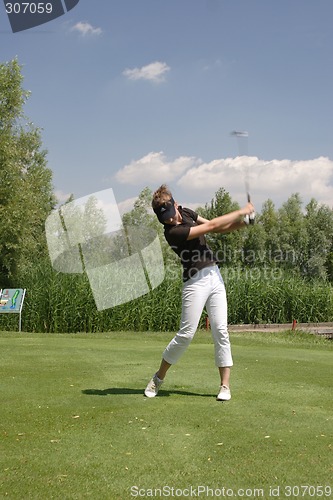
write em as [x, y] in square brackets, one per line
[74, 422]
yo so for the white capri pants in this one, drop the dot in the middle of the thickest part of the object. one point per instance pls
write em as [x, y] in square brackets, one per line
[206, 288]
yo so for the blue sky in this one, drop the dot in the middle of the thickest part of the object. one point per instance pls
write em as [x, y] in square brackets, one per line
[134, 93]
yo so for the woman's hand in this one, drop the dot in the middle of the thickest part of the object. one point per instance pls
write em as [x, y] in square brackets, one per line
[247, 210]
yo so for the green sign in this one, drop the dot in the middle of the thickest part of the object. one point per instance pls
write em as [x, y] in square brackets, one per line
[11, 301]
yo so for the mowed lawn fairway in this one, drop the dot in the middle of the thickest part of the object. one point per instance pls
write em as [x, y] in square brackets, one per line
[75, 424]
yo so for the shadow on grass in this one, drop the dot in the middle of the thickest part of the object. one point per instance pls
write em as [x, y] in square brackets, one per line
[116, 391]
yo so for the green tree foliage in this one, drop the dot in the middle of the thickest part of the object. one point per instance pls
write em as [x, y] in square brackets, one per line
[293, 233]
[86, 225]
[228, 247]
[254, 246]
[142, 216]
[26, 194]
[319, 224]
[289, 238]
[268, 219]
[142, 212]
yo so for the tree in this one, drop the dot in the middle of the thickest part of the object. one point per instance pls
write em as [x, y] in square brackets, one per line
[26, 193]
[319, 223]
[142, 216]
[254, 250]
[142, 212]
[269, 221]
[228, 247]
[293, 234]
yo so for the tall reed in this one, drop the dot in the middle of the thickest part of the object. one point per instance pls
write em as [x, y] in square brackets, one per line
[57, 302]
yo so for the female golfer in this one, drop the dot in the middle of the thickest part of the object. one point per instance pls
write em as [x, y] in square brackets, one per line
[203, 285]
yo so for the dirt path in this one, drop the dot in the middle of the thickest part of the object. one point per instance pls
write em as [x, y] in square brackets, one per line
[317, 328]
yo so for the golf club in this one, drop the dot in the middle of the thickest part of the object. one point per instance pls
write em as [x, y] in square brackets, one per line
[242, 142]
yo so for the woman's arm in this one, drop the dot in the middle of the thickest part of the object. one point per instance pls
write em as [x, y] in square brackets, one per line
[201, 220]
[232, 227]
[223, 224]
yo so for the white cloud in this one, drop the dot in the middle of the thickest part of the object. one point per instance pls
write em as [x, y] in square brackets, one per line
[86, 29]
[275, 179]
[154, 168]
[154, 72]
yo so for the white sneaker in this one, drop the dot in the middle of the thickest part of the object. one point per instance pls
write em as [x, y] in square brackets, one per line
[224, 394]
[153, 387]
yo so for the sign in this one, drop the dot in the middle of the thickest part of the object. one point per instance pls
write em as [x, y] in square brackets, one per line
[11, 301]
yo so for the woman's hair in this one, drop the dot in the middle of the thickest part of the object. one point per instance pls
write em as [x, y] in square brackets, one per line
[161, 195]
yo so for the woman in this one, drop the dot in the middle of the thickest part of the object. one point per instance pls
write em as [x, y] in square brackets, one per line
[203, 285]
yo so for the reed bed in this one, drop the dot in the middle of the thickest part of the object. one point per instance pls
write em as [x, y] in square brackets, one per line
[57, 302]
